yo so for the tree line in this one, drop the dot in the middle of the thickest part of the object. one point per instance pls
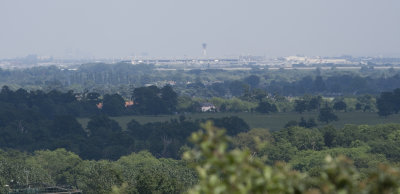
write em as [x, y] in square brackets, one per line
[121, 77]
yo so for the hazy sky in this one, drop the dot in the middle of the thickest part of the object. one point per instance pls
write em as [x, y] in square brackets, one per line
[107, 28]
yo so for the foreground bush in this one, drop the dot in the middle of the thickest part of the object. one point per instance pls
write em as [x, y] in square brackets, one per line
[237, 171]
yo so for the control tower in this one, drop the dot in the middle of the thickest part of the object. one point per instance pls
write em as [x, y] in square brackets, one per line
[204, 45]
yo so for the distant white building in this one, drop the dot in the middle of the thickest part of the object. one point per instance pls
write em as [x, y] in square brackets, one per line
[314, 60]
[208, 107]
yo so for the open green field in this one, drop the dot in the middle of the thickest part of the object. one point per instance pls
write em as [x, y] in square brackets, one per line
[272, 122]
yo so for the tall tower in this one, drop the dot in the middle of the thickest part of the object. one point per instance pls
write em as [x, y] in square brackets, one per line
[204, 49]
[133, 60]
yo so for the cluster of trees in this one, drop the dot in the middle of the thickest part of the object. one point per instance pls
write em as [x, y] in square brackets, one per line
[251, 95]
[259, 101]
[335, 84]
[148, 100]
[166, 139]
[103, 138]
[307, 103]
[310, 123]
[37, 120]
[292, 160]
[134, 173]
[88, 75]
[295, 83]
[326, 115]
[389, 103]
[46, 104]
[305, 148]
[237, 171]
[187, 104]
[153, 100]
[266, 107]
[312, 103]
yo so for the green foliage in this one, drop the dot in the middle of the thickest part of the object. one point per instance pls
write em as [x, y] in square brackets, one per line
[338, 176]
[366, 103]
[233, 124]
[340, 105]
[241, 169]
[16, 170]
[98, 176]
[300, 106]
[291, 124]
[326, 115]
[266, 107]
[187, 104]
[169, 98]
[237, 171]
[389, 103]
[312, 161]
[252, 80]
[222, 171]
[113, 105]
[106, 139]
[307, 103]
[120, 77]
[59, 164]
[143, 173]
[232, 105]
[252, 139]
[302, 138]
[153, 100]
[281, 150]
[135, 173]
[237, 88]
[310, 123]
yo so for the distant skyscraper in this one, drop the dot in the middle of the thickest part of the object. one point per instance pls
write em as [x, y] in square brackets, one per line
[204, 49]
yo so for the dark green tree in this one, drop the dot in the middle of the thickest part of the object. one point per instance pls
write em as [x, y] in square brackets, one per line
[300, 106]
[252, 81]
[319, 84]
[219, 89]
[266, 107]
[233, 124]
[326, 115]
[106, 139]
[314, 103]
[237, 88]
[113, 105]
[152, 100]
[169, 98]
[386, 104]
[291, 123]
[340, 106]
[64, 126]
[310, 123]
[137, 131]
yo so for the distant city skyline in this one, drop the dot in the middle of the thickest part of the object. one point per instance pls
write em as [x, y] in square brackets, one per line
[178, 28]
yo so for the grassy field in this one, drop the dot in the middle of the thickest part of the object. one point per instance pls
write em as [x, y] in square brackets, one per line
[270, 121]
